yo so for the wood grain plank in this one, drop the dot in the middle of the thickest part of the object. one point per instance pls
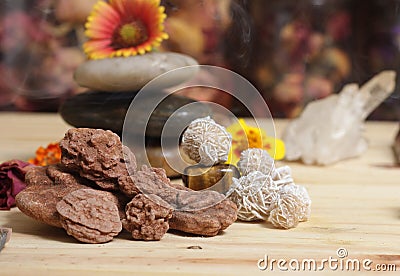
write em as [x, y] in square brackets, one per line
[356, 205]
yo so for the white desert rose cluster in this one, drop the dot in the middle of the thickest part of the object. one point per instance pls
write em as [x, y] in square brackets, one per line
[264, 192]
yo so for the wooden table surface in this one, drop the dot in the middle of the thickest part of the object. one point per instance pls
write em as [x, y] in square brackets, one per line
[355, 206]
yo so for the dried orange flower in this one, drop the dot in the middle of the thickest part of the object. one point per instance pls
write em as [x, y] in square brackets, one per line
[47, 156]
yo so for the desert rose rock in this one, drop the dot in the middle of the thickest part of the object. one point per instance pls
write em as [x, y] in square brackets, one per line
[47, 186]
[96, 155]
[331, 129]
[90, 215]
[132, 73]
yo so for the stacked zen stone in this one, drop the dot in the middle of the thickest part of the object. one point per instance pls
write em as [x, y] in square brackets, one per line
[112, 85]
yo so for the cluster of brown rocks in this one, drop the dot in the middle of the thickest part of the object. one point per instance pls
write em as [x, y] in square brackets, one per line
[113, 83]
[97, 190]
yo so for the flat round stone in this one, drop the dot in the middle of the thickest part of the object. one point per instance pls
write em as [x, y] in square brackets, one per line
[95, 109]
[104, 110]
[125, 74]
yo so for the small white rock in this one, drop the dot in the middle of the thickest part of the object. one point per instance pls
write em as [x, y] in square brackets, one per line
[206, 142]
[293, 205]
[253, 194]
[255, 159]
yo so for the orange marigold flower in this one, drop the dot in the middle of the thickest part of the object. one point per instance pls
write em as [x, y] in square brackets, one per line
[124, 28]
[47, 156]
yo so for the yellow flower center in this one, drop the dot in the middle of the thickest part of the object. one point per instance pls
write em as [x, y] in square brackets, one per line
[129, 35]
[254, 138]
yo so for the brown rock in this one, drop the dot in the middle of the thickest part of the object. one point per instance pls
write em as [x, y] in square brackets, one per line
[127, 186]
[58, 176]
[213, 213]
[198, 212]
[147, 217]
[97, 155]
[90, 215]
[37, 176]
[207, 221]
[39, 199]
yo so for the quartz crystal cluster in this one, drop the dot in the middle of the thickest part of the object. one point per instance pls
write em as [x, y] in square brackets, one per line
[264, 192]
[331, 129]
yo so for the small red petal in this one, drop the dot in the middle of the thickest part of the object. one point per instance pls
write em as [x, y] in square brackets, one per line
[96, 45]
[108, 12]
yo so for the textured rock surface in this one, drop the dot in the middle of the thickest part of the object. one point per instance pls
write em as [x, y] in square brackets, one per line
[207, 221]
[293, 205]
[147, 217]
[38, 176]
[255, 159]
[206, 142]
[97, 155]
[90, 215]
[67, 194]
[331, 129]
[269, 194]
[254, 195]
[132, 73]
[197, 212]
[40, 198]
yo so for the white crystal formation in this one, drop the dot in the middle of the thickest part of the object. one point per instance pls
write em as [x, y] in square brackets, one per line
[331, 129]
[255, 159]
[277, 199]
[206, 142]
[254, 194]
[293, 205]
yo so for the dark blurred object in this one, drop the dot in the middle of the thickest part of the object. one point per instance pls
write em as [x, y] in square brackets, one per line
[376, 47]
[299, 51]
[5, 236]
[209, 31]
[107, 110]
[293, 52]
[308, 49]
[396, 147]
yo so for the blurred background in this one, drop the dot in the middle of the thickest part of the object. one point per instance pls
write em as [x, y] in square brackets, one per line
[292, 51]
